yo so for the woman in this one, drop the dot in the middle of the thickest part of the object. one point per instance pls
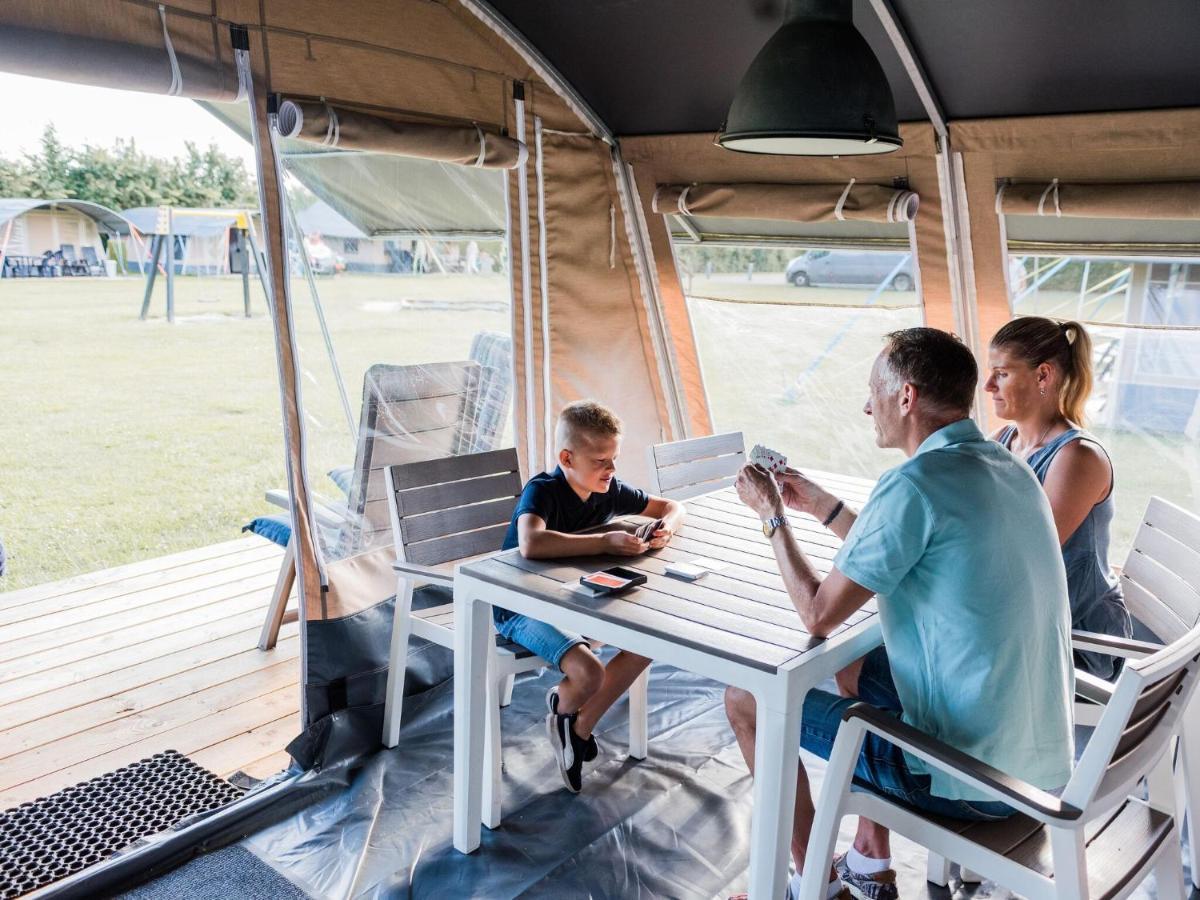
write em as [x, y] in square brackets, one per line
[1040, 379]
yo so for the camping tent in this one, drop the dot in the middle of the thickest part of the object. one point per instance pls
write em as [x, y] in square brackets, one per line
[33, 227]
[588, 111]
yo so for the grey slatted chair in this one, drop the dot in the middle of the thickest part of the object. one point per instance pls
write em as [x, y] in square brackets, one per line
[442, 512]
[680, 470]
[1096, 840]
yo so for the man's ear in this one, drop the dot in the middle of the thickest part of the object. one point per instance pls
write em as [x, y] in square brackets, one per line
[908, 398]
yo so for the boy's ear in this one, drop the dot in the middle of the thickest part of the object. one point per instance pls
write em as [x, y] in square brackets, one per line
[564, 457]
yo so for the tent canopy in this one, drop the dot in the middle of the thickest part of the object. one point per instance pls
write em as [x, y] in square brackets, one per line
[184, 221]
[681, 61]
[110, 221]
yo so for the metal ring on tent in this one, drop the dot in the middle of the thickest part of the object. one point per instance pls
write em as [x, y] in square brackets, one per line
[176, 88]
[837, 210]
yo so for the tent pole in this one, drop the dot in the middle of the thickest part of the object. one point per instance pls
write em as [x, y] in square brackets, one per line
[260, 263]
[170, 264]
[316, 299]
[156, 242]
[244, 254]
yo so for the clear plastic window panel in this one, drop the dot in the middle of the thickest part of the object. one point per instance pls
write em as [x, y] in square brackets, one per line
[1144, 319]
[786, 338]
[401, 300]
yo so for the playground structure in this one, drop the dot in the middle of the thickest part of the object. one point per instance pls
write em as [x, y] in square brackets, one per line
[208, 241]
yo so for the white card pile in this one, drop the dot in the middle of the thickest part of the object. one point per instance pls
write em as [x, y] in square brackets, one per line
[771, 460]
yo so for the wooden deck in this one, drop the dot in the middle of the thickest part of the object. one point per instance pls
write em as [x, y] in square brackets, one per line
[107, 668]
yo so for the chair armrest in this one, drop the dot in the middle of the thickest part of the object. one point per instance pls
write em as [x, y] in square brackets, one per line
[424, 573]
[1019, 794]
[329, 515]
[1091, 688]
[1126, 648]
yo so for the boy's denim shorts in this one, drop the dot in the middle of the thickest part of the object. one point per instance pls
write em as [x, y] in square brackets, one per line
[882, 766]
[545, 640]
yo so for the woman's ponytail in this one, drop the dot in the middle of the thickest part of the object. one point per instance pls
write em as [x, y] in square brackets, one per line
[1077, 380]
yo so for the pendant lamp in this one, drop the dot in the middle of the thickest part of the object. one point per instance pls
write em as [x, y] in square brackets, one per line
[815, 89]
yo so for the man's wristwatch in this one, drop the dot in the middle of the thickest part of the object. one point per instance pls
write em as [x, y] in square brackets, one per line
[771, 524]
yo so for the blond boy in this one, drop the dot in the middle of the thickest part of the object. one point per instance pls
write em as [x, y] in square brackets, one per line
[581, 494]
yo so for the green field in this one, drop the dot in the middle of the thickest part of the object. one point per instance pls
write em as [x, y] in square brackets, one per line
[125, 440]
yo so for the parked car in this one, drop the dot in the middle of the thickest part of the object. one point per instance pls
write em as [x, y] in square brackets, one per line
[861, 267]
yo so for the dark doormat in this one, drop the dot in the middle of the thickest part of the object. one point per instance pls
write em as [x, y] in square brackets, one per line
[49, 839]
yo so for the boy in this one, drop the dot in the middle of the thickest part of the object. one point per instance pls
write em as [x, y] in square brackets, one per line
[581, 493]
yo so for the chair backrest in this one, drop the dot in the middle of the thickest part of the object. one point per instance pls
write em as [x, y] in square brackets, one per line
[448, 509]
[1161, 575]
[1137, 724]
[683, 469]
[89, 255]
[409, 414]
[68, 252]
[493, 351]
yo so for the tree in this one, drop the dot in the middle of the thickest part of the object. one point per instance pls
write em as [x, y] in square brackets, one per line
[121, 176]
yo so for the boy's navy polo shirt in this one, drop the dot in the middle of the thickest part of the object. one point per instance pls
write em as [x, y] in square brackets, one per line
[552, 499]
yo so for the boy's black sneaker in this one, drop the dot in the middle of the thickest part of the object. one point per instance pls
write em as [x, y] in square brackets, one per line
[568, 750]
[592, 750]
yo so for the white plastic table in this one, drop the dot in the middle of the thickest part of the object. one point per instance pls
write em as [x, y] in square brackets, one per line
[737, 626]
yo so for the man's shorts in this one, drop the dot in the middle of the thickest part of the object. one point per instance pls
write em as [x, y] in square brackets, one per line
[882, 766]
[545, 640]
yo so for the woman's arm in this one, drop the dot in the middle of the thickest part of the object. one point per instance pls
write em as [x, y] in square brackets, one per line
[1080, 476]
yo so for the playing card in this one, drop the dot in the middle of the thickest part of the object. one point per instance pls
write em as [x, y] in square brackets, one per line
[645, 532]
[771, 460]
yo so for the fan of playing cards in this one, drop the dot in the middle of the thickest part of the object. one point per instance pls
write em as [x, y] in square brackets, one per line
[771, 460]
[645, 532]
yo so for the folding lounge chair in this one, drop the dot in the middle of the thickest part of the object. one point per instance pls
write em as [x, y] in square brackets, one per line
[71, 264]
[681, 470]
[1095, 840]
[409, 413]
[92, 262]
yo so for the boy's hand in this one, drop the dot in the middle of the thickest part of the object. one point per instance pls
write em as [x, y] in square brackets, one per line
[661, 537]
[622, 543]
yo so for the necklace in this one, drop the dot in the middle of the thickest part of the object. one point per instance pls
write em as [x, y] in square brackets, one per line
[1038, 442]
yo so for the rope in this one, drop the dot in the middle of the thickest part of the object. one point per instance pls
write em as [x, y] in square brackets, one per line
[333, 131]
[1052, 187]
[837, 210]
[176, 88]
[683, 207]
[482, 147]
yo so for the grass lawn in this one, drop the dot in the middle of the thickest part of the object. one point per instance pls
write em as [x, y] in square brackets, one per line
[125, 440]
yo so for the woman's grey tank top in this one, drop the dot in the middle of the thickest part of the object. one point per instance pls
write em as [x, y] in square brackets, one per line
[1095, 594]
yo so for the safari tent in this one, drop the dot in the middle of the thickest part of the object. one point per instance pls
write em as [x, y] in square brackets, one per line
[582, 139]
[32, 228]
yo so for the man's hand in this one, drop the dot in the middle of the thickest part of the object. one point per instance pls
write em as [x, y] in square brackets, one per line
[622, 543]
[756, 488]
[804, 495]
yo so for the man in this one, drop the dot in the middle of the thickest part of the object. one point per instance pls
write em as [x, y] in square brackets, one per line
[959, 545]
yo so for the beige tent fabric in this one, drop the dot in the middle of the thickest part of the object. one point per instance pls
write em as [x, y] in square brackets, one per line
[789, 202]
[1162, 200]
[332, 126]
[119, 44]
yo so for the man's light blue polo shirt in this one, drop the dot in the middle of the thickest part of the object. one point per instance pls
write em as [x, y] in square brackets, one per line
[959, 544]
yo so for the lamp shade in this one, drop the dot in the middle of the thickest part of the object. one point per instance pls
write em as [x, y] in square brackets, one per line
[815, 89]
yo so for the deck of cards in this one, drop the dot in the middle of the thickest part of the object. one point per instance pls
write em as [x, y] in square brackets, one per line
[646, 532]
[771, 460]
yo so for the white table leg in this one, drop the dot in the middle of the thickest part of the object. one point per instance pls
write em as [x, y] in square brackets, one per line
[776, 755]
[638, 715]
[472, 631]
[493, 768]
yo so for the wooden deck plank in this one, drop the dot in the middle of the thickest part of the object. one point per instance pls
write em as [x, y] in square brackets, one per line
[75, 642]
[165, 650]
[278, 708]
[262, 768]
[66, 722]
[226, 757]
[86, 580]
[203, 706]
[51, 612]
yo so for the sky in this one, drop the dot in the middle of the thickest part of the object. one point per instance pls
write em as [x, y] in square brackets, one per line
[99, 116]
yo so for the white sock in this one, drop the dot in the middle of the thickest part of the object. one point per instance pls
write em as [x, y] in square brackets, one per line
[865, 865]
[832, 891]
